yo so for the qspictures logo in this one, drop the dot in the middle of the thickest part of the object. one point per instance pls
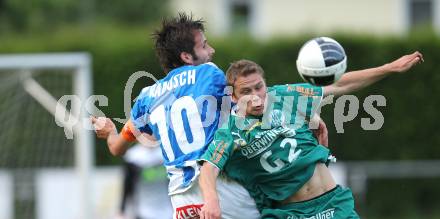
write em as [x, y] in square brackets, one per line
[346, 107]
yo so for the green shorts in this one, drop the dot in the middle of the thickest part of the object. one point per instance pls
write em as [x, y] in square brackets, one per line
[335, 204]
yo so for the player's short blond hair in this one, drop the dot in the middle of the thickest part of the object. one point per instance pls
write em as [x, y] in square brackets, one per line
[242, 67]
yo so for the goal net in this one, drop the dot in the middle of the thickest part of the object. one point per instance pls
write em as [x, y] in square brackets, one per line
[31, 139]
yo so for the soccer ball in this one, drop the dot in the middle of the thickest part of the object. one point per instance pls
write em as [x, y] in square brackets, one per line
[321, 61]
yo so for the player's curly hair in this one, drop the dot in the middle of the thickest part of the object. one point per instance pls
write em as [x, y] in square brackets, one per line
[176, 36]
[244, 68]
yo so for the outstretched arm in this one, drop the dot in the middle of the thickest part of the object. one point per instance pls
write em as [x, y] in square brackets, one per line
[356, 80]
[119, 143]
[207, 182]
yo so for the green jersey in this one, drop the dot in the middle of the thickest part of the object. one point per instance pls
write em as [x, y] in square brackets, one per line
[273, 155]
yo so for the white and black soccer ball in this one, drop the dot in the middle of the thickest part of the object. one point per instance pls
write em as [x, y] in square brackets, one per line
[321, 61]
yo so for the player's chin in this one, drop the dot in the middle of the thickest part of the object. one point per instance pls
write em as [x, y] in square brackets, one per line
[258, 110]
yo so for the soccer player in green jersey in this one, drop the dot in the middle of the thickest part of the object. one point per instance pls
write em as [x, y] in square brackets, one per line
[267, 145]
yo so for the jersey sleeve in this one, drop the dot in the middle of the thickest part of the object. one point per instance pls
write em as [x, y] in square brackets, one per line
[219, 83]
[214, 80]
[139, 114]
[220, 149]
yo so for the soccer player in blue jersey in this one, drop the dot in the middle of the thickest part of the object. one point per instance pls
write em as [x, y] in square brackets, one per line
[267, 145]
[182, 111]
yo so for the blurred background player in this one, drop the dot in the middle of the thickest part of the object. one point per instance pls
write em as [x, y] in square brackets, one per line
[144, 197]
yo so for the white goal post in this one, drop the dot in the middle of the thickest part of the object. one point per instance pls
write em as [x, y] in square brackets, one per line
[80, 66]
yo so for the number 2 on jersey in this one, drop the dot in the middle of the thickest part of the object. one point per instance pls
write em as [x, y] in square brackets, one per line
[279, 163]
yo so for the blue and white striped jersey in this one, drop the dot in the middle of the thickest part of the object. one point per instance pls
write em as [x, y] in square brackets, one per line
[182, 111]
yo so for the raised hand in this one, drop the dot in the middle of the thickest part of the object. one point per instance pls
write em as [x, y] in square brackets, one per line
[405, 62]
[103, 127]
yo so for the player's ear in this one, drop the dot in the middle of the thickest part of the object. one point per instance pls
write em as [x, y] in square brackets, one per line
[186, 58]
[234, 98]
